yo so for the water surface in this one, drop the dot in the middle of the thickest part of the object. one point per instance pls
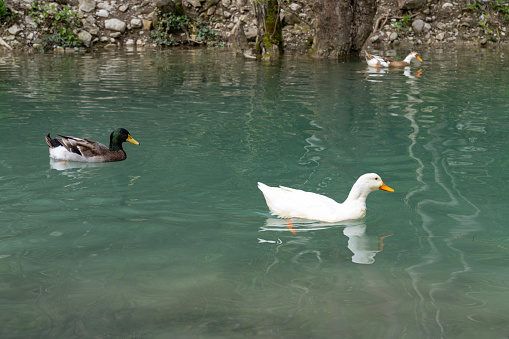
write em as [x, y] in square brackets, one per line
[176, 241]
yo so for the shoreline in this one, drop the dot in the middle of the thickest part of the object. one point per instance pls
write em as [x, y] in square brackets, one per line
[131, 24]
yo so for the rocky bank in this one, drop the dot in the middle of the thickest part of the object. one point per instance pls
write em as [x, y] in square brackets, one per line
[130, 23]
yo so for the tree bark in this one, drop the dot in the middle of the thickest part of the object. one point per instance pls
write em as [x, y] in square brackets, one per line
[269, 42]
[342, 26]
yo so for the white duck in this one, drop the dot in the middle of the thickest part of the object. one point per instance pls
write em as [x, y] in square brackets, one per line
[380, 61]
[292, 203]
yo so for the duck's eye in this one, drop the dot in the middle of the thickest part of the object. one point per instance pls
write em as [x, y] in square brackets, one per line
[376, 178]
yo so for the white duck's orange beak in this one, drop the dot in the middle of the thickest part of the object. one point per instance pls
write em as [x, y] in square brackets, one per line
[384, 187]
[419, 58]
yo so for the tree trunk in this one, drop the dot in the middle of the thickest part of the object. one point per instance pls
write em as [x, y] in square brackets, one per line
[269, 42]
[342, 26]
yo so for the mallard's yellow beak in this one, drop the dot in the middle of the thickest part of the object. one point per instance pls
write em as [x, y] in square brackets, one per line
[131, 140]
[419, 58]
[384, 187]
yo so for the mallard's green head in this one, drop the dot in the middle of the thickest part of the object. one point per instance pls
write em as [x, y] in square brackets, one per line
[118, 137]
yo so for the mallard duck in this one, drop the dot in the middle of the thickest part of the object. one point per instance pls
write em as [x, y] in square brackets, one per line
[292, 203]
[84, 150]
[379, 61]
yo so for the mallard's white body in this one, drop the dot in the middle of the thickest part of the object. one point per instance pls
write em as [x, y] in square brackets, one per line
[85, 150]
[287, 202]
[62, 153]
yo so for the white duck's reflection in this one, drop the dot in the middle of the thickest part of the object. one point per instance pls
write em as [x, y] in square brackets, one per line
[364, 247]
[374, 73]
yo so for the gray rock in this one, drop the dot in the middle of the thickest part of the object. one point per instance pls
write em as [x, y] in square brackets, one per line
[295, 7]
[226, 3]
[115, 25]
[194, 3]
[15, 29]
[393, 36]
[87, 5]
[106, 6]
[440, 36]
[418, 26]
[241, 3]
[411, 4]
[227, 14]
[251, 32]
[374, 38]
[90, 20]
[94, 30]
[102, 13]
[30, 22]
[447, 4]
[441, 25]
[86, 37]
[136, 23]
[427, 27]
[123, 8]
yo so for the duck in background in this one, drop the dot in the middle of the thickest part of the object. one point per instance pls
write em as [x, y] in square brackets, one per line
[379, 61]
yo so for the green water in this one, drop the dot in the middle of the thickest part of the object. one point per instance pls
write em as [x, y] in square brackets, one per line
[177, 242]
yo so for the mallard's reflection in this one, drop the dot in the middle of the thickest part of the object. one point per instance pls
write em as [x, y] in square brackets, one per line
[64, 165]
[73, 169]
[364, 247]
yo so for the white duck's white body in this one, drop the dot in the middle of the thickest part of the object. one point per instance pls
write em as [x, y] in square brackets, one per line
[293, 203]
[380, 61]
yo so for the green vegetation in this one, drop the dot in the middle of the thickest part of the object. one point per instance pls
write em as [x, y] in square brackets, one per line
[3, 10]
[403, 24]
[206, 34]
[491, 12]
[62, 25]
[170, 24]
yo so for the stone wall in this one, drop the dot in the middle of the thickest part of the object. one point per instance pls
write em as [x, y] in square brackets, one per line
[128, 23]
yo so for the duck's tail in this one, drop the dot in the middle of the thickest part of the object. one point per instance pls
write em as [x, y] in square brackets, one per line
[52, 143]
